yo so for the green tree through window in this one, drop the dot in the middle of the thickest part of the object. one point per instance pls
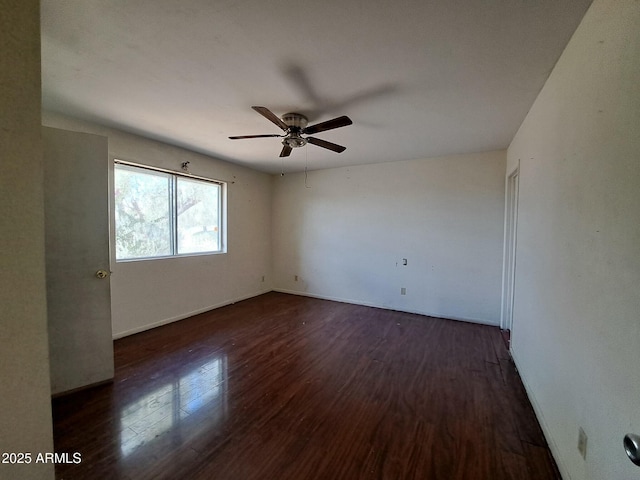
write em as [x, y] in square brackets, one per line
[159, 214]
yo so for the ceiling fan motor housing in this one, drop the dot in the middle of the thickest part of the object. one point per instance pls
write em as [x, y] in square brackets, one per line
[295, 120]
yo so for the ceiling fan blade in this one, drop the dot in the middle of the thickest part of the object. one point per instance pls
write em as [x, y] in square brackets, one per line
[238, 137]
[269, 115]
[324, 144]
[328, 125]
[286, 151]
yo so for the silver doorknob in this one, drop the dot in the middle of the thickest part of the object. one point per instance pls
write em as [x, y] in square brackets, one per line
[632, 447]
[102, 274]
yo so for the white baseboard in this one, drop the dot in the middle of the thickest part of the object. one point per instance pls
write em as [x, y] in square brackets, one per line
[166, 321]
[370, 304]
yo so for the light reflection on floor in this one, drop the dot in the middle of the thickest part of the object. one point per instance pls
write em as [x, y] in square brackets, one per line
[164, 408]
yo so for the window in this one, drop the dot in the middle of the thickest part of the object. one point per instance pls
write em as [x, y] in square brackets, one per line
[161, 214]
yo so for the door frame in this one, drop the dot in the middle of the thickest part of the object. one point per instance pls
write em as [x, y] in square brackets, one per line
[510, 246]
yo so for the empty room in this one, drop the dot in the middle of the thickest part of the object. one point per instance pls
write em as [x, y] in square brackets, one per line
[336, 240]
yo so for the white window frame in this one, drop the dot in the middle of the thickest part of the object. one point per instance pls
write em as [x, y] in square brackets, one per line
[222, 212]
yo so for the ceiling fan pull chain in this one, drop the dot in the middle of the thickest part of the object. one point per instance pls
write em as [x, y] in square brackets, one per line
[306, 165]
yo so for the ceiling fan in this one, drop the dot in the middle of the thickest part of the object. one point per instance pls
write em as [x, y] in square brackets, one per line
[294, 126]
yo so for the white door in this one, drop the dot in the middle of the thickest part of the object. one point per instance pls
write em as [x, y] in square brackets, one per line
[509, 269]
[77, 248]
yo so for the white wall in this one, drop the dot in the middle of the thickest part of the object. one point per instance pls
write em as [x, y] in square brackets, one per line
[145, 294]
[346, 235]
[577, 307]
[25, 407]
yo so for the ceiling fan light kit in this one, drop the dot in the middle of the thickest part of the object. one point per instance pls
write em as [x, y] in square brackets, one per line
[295, 125]
[294, 140]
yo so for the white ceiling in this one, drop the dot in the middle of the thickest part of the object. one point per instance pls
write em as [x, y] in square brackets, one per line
[419, 78]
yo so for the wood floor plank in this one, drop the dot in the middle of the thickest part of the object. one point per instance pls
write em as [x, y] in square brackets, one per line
[289, 387]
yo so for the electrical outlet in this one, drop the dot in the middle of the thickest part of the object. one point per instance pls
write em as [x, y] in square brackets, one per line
[403, 291]
[582, 443]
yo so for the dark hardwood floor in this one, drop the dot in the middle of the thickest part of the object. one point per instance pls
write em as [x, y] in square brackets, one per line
[286, 387]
